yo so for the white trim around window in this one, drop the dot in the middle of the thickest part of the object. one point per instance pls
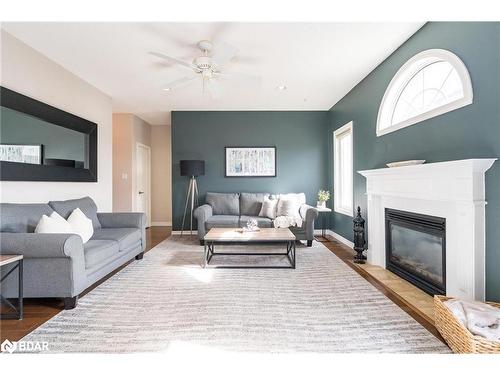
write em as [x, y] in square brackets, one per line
[343, 170]
[405, 74]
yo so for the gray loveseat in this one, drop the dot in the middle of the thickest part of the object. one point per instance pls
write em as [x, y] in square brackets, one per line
[233, 210]
[60, 265]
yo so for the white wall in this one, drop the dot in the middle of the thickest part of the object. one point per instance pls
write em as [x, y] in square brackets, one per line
[28, 72]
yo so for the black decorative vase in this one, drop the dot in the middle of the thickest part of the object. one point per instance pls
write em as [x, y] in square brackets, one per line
[359, 237]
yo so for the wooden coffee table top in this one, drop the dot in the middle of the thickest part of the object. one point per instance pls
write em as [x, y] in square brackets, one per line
[7, 259]
[238, 235]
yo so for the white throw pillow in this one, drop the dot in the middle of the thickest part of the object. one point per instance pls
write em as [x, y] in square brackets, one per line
[268, 208]
[287, 207]
[54, 223]
[81, 224]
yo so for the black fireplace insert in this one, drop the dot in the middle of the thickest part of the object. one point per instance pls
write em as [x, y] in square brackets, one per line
[416, 249]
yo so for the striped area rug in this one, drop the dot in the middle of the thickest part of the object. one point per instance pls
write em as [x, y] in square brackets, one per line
[167, 300]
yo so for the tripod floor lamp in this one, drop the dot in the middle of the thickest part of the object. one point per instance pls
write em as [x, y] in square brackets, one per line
[191, 168]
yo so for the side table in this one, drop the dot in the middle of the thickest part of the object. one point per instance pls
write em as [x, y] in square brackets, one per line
[323, 212]
[5, 260]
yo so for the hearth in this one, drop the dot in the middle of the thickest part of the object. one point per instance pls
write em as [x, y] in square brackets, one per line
[416, 249]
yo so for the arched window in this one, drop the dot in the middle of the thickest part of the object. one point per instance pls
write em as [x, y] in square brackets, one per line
[431, 83]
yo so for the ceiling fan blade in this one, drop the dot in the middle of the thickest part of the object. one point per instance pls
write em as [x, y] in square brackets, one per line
[180, 82]
[223, 53]
[175, 60]
[213, 88]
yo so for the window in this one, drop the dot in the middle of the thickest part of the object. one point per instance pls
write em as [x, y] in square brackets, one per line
[431, 83]
[343, 169]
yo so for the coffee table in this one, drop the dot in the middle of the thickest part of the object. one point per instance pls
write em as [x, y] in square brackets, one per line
[4, 261]
[237, 235]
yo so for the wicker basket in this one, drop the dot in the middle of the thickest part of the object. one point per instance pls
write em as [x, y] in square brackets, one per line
[456, 335]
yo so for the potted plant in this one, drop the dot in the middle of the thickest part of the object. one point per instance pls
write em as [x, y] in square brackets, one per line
[323, 196]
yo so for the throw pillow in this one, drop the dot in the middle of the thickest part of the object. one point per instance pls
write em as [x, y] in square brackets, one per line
[81, 224]
[53, 224]
[268, 208]
[290, 208]
[287, 207]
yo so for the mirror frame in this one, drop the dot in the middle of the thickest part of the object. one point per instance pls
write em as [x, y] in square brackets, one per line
[13, 171]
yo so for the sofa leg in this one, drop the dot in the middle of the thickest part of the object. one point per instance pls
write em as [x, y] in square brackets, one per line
[70, 302]
[202, 242]
[309, 243]
[139, 256]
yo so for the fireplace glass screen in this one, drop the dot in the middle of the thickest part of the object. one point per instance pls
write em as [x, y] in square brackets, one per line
[420, 252]
[416, 249]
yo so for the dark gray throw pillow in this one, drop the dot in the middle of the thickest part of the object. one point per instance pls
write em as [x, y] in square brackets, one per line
[224, 203]
[251, 203]
[87, 205]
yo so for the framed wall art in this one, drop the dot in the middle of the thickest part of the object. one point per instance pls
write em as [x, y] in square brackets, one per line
[250, 161]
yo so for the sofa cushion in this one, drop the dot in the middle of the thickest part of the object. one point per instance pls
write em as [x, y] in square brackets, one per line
[222, 221]
[22, 217]
[224, 203]
[99, 251]
[262, 222]
[126, 237]
[87, 205]
[251, 203]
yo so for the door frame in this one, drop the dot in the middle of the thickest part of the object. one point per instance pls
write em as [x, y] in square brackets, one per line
[138, 146]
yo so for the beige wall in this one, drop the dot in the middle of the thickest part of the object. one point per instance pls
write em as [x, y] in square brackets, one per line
[161, 170]
[30, 73]
[128, 130]
[141, 133]
[122, 162]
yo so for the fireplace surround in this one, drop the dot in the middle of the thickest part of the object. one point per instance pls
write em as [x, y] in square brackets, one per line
[453, 190]
[416, 249]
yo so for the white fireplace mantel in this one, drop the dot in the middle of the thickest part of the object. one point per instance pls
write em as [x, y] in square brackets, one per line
[454, 190]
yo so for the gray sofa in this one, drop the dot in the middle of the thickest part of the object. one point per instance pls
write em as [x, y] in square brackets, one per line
[60, 265]
[233, 210]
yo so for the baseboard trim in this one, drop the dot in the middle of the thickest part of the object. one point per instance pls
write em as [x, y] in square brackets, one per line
[337, 236]
[186, 232]
[161, 224]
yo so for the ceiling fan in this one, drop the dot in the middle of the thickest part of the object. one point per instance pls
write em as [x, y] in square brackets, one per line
[208, 67]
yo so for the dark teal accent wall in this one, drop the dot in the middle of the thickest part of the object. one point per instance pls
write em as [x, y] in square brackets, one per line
[299, 137]
[469, 132]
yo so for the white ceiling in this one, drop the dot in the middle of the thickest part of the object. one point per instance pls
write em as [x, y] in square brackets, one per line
[318, 62]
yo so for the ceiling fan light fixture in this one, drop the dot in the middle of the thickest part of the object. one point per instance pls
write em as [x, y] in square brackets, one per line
[167, 89]
[281, 87]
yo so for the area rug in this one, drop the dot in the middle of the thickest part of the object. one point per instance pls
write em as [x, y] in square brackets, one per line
[167, 299]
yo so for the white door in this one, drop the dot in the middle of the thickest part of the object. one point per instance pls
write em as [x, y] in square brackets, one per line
[143, 178]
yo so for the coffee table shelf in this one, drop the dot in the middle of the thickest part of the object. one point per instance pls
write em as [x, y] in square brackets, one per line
[225, 236]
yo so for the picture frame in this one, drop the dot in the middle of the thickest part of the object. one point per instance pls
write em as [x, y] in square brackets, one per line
[250, 161]
[26, 154]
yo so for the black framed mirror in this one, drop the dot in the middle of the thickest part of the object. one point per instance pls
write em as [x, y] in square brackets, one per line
[39, 142]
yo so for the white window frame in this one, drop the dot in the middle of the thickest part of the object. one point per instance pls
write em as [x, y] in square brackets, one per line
[403, 77]
[337, 178]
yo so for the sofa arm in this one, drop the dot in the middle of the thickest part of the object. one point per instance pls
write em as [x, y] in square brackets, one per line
[122, 219]
[42, 245]
[308, 214]
[202, 214]
[125, 220]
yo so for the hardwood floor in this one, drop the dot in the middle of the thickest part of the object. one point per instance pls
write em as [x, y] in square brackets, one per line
[38, 311]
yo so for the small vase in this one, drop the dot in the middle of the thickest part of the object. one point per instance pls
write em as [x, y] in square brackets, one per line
[321, 204]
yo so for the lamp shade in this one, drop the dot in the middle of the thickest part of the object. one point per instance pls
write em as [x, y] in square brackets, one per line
[192, 167]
